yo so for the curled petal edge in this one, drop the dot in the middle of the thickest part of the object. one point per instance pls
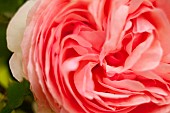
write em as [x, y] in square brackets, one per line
[14, 34]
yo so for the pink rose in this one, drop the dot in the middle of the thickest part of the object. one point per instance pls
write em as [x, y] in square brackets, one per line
[94, 56]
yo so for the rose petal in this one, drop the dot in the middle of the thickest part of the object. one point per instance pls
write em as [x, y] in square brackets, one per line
[161, 109]
[166, 58]
[134, 5]
[137, 52]
[63, 110]
[152, 108]
[162, 26]
[143, 25]
[164, 5]
[110, 95]
[17, 25]
[83, 81]
[43, 104]
[96, 8]
[115, 26]
[157, 90]
[131, 101]
[79, 39]
[151, 75]
[149, 59]
[16, 66]
[15, 33]
[66, 68]
[163, 68]
[96, 38]
[125, 84]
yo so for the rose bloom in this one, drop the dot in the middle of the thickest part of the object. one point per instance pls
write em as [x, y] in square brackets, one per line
[93, 56]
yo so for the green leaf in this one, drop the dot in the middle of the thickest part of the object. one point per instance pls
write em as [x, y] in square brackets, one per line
[6, 109]
[16, 93]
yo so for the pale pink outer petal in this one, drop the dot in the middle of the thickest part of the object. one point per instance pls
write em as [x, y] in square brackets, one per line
[15, 32]
[16, 62]
[17, 26]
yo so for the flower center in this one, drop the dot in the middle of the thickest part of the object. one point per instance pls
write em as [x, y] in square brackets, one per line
[116, 59]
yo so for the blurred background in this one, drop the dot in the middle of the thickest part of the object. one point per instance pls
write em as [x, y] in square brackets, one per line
[15, 97]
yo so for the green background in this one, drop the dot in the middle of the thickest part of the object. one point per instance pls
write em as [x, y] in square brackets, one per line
[15, 97]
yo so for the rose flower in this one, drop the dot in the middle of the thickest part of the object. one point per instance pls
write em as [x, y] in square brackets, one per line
[93, 56]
